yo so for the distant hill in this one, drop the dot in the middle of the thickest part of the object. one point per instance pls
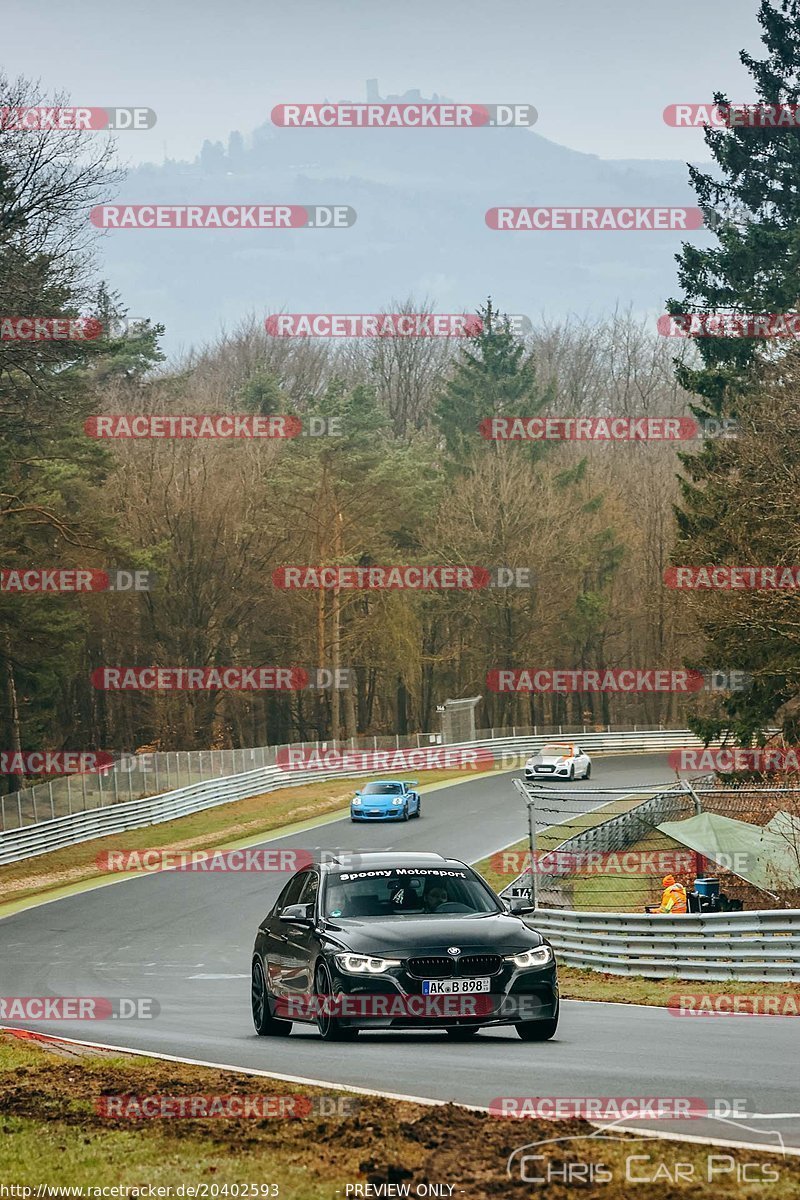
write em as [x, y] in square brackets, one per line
[420, 196]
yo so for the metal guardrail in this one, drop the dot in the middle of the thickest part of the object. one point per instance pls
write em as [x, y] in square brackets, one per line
[136, 776]
[118, 814]
[746, 946]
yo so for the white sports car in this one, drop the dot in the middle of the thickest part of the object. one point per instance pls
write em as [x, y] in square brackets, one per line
[559, 760]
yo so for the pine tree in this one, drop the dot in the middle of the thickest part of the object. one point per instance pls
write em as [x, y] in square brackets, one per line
[494, 376]
[753, 201]
[725, 515]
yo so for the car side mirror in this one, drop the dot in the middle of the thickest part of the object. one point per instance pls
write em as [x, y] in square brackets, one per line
[297, 914]
[520, 905]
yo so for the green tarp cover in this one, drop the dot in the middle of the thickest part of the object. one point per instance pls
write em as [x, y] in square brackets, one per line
[767, 858]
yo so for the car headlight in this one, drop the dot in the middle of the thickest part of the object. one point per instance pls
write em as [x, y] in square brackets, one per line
[364, 964]
[357, 801]
[398, 799]
[531, 958]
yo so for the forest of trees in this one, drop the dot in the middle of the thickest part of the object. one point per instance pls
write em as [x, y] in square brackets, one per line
[408, 480]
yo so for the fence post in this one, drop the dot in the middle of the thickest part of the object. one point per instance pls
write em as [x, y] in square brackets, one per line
[83, 789]
[33, 798]
[52, 803]
[19, 808]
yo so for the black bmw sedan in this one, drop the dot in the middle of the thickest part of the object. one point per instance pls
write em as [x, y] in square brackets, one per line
[400, 941]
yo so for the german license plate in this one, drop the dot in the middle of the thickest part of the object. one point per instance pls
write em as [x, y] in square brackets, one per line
[457, 987]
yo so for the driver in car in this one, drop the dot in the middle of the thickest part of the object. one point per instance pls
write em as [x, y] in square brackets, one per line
[435, 894]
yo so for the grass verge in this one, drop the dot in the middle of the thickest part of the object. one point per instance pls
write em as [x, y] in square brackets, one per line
[577, 983]
[54, 1136]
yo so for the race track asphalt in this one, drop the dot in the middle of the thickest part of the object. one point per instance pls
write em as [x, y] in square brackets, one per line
[186, 938]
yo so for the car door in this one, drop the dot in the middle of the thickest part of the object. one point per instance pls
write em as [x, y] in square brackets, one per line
[274, 948]
[581, 762]
[301, 942]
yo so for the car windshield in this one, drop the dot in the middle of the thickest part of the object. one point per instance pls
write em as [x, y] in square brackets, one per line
[557, 751]
[407, 891]
[382, 789]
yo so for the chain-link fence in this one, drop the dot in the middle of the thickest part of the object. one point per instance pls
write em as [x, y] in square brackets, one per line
[603, 850]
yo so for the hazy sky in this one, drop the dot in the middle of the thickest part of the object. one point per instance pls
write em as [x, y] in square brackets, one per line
[600, 72]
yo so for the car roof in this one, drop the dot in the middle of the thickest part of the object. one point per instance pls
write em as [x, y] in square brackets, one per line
[364, 859]
[399, 782]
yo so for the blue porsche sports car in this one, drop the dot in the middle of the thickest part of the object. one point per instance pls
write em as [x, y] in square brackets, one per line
[386, 800]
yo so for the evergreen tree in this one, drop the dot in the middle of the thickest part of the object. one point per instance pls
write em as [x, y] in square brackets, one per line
[494, 376]
[753, 202]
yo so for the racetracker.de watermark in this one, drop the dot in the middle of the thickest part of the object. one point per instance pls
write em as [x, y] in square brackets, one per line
[223, 216]
[54, 762]
[723, 577]
[603, 429]
[730, 759]
[193, 425]
[389, 325]
[49, 329]
[78, 1008]
[619, 680]
[199, 679]
[590, 429]
[617, 1108]
[55, 119]
[403, 115]
[594, 862]
[234, 1107]
[734, 1004]
[75, 579]
[399, 578]
[732, 116]
[730, 325]
[428, 758]
[203, 861]
[594, 219]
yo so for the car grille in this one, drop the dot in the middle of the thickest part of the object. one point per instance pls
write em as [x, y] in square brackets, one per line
[440, 967]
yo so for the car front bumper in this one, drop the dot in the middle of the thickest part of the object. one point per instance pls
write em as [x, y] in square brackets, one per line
[548, 772]
[384, 814]
[529, 994]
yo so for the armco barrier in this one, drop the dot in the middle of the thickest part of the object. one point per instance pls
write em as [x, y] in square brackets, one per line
[118, 816]
[746, 946]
